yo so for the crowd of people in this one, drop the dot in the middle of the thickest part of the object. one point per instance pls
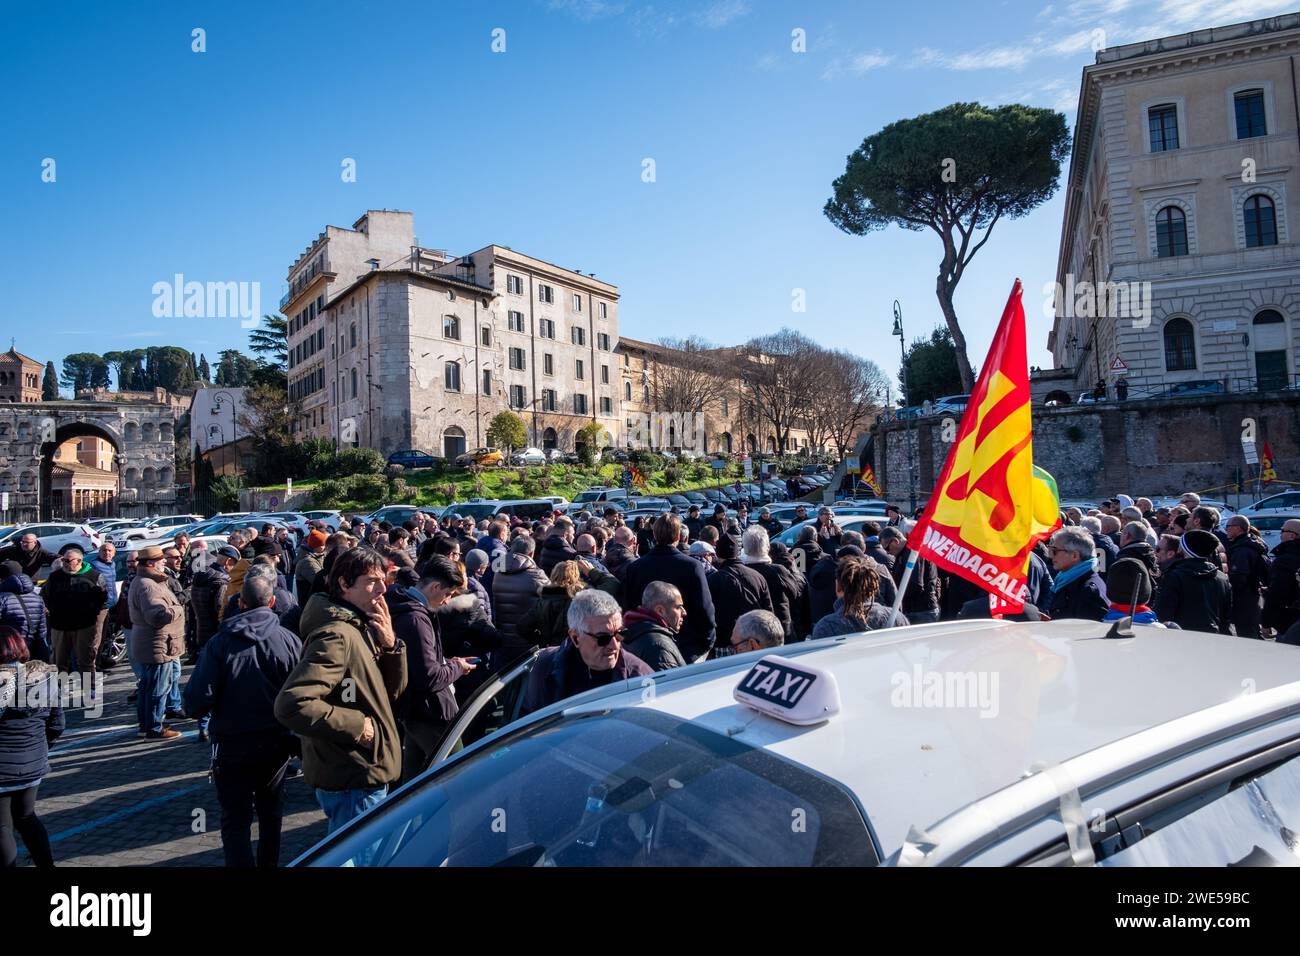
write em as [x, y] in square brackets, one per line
[353, 651]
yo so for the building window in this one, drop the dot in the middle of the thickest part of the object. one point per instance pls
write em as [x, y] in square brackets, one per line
[515, 321]
[602, 341]
[518, 399]
[548, 400]
[354, 383]
[726, 413]
[515, 284]
[451, 327]
[451, 295]
[546, 328]
[604, 310]
[517, 359]
[645, 393]
[1180, 346]
[548, 364]
[353, 336]
[579, 371]
[545, 293]
[627, 391]
[606, 406]
[451, 376]
[1261, 222]
[1171, 232]
[577, 302]
[487, 381]
[1270, 340]
[485, 337]
[604, 375]
[1163, 122]
[1250, 114]
[580, 403]
[579, 335]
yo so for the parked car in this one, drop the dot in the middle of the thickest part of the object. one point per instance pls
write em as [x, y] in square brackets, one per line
[951, 404]
[412, 458]
[1270, 524]
[616, 455]
[295, 520]
[152, 529]
[529, 456]
[393, 514]
[331, 518]
[483, 457]
[1281, 502]
[54, 536]
[1193, 389]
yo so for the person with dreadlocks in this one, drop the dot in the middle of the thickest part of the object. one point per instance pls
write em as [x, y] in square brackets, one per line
[856, 586]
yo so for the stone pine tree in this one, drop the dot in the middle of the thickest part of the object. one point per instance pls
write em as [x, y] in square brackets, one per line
[50, 386]
[957, 171]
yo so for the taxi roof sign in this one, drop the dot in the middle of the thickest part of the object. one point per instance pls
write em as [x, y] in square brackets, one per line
[795, 693]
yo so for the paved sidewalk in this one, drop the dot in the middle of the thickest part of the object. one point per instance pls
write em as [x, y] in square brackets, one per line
[115, 799]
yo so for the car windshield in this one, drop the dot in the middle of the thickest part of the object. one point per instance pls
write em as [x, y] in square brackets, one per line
[625, 788]
[477, 512]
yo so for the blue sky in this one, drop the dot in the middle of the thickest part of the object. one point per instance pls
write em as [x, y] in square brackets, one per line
[224, 165]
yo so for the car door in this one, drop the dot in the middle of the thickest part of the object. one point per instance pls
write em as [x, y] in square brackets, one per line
[491, 707]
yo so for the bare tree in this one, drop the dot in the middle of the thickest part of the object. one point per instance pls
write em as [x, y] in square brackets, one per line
[687, 376]
[780, 371]
[849, 393]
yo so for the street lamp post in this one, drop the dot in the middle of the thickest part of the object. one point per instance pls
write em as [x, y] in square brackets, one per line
[911, 453]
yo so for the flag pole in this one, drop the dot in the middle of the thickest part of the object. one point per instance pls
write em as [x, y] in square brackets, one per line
[902, 586]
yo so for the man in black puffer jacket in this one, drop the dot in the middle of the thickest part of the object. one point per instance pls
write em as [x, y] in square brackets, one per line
[1282, 602]
[1194, 593]
[240, 671]
[1247, 572]
[652, 628]
[1133, 544]
[558, 545]
[664, 562]
[735, 588]
[208, 594]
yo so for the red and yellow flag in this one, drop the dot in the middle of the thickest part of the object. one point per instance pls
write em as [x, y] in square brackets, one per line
[991, 504]
[1267, 473]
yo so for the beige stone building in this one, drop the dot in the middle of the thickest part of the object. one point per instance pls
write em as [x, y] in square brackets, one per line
[1177, 220]
[20, 377]
[393, 345]
[725, 419]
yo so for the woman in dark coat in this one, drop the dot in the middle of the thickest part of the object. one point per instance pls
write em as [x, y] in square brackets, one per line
[26, 733]
[546, 624]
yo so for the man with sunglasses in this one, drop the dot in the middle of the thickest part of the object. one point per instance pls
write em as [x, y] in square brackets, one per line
[593, 655]
[1283, 594]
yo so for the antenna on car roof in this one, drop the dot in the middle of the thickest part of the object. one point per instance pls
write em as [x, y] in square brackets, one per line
[1124, 626]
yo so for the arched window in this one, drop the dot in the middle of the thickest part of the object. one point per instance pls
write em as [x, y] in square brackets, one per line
[1261, 222]
[549, 438]
[1268, 333]
[1180, 346]
[1171, 232]
[352, 336]
[627, 391]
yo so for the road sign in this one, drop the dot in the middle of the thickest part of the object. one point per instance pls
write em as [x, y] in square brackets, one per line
[627, 479]
[852, 465]
[1252, 455]
[275, 502]
[1118, 365]
[288, 489]
[749, 468]
[718, 465]
[4, 501]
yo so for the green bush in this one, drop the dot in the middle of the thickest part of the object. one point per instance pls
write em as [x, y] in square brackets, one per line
[328, 493]
[673, 476]
[358, 461]
[225, 490]
[366, 487]
[647, 461]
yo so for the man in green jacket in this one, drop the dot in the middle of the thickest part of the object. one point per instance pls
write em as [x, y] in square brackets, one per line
[340, 697]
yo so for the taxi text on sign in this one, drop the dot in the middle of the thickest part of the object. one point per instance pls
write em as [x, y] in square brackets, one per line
[991, 504]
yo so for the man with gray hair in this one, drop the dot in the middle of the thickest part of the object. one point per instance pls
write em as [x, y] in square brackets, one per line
[1106, 550]
[232, 691]
[592, 656]
[1077, 591]
[756, 631]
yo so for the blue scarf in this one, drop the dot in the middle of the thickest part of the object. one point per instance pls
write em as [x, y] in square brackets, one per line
[1082, 569]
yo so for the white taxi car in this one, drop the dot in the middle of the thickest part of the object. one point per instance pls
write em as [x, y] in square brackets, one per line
[972, 742]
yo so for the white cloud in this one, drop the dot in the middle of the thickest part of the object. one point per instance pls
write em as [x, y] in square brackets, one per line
[996, 58]
[857, 64]
[721, 12]
[1188, 14]
[588, 9]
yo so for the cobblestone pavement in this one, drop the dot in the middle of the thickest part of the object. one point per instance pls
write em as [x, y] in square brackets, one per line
[115, 799]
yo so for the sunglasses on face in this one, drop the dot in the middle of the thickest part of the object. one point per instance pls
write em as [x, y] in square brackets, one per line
[604, 638]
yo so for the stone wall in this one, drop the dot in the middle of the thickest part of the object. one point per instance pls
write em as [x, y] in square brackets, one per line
[1155, 447]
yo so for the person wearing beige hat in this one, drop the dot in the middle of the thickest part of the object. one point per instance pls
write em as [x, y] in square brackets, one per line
[157, 640]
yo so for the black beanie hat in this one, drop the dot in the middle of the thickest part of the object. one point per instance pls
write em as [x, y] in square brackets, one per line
[1199, 543]
[1126, 576]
